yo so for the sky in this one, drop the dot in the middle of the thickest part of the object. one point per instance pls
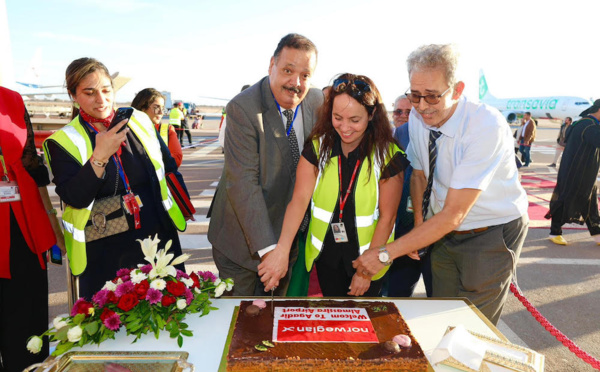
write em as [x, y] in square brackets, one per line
[199, 48]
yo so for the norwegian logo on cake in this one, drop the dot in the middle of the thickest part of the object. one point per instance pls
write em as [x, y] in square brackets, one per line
[303, 324]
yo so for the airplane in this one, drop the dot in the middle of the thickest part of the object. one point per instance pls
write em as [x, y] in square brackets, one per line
[551, 107]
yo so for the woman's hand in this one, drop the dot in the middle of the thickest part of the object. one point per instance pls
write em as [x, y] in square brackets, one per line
[108, 142]
[360, 284]
[273, 266]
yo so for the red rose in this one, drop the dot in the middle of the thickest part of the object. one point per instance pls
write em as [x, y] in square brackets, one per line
[196, 280]
[176, 288]
[106, 313]
[112, 298]
[141, 289]
[81, 307]
[167, 300]
[127, 302]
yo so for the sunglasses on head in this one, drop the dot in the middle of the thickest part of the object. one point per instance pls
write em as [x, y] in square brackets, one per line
[432, 99]
[341, 85]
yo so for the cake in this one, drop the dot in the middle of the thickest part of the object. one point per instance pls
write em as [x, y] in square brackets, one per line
[307, 335]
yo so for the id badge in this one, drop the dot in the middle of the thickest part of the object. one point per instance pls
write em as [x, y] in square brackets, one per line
[131, 198]
[9, 192]
[409, 207]
[339, 232]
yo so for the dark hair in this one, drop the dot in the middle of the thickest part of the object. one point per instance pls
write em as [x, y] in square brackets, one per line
[378, 135]
[145, 97]
[527, 113]
[295, 41]
[77, 71]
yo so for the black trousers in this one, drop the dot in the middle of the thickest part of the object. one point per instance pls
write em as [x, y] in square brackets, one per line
[335, 281]
[23, 305]
[184, 128]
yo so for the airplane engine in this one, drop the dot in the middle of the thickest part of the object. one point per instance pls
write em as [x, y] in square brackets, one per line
[511, 117]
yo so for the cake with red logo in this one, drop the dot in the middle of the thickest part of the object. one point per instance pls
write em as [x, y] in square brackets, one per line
[327, 335]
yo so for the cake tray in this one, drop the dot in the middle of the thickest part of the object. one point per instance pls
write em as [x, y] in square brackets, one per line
[134, 361]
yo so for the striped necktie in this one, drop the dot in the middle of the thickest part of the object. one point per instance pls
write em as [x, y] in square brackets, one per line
[433, 136]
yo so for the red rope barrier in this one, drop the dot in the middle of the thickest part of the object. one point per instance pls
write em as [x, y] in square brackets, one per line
[553, 330]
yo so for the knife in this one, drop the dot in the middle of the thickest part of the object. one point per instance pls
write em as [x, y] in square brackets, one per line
[272, 296]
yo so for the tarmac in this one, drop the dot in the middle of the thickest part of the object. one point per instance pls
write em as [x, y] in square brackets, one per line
[562, 282]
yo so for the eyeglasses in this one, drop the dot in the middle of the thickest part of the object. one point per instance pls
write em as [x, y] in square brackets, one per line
[341, 85]
[158, 109]
[432, 99]
[401, 112]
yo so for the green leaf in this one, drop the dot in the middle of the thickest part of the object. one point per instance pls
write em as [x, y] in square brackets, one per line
[62, 334]
[187, 333]
[62, 348]
[91, 328]
[180, 341]
[78, 318]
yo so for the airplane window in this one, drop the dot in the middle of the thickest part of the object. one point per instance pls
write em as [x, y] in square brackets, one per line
[582, 103]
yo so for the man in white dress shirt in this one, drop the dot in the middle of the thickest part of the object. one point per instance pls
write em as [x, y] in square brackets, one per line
[477, 214]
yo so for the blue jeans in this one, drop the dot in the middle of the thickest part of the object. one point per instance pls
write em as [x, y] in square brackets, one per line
[526, 151]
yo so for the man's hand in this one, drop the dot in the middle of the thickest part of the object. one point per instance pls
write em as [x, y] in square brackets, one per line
[360, 284]
[368, 263]
[273, 266]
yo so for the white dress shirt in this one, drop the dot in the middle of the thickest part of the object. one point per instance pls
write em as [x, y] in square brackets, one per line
[475, 151]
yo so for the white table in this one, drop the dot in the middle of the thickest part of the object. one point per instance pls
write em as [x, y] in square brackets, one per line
[427, 319]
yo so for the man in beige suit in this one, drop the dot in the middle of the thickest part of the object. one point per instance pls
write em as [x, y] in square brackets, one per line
[266, 128]
[526, 137]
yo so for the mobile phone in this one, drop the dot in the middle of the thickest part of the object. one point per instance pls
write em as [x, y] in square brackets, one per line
[121, 114]
[55, 255]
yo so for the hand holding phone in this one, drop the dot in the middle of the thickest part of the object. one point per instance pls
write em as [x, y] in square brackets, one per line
[123, 113]
[55, 255]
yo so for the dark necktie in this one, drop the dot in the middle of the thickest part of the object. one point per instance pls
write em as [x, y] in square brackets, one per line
[293, 140]
[433, 136]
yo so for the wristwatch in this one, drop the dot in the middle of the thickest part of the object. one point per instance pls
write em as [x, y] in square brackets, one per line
[384, 256]
[98, 163]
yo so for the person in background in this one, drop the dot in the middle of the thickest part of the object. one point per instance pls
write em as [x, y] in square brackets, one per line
[266, 125]
[28, 229]
[405, 272]
[90, 162]
[223, 123]
[350, 153]
[176, 117]
[526, 138]
[184, 125]
[575, 196]
[560, 140]
[466, 195]
[152, 102]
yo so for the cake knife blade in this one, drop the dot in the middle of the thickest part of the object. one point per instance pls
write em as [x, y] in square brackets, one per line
[272, 297]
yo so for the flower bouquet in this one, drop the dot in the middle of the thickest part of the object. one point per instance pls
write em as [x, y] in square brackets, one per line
[148, 299]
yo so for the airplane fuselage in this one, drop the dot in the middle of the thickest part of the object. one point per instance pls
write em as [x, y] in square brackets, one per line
[552, 107]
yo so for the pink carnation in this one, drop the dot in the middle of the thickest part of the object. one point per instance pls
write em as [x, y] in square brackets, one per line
[153, 296]
[146, 269]
[189, 296]
[181, 274]
[112, 322]
[101, 297]
[123, 274]
[207, 276]
[124, 288]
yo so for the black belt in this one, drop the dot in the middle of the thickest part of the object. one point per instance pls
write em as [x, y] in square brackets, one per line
[464, 232]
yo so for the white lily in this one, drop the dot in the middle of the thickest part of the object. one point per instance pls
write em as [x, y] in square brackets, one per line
[161, 261]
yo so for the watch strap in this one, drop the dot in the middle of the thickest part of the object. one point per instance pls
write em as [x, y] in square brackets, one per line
[98, 163]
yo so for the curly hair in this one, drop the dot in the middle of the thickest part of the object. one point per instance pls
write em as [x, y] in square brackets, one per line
[378, 135]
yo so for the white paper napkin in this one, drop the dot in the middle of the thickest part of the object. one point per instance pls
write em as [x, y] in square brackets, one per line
[462, 346]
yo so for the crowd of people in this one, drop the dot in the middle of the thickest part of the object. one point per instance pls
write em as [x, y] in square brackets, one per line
[313, 180]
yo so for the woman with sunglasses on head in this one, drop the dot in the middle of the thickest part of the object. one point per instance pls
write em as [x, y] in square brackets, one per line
[351, 171]
[152, 102]
[93, 166]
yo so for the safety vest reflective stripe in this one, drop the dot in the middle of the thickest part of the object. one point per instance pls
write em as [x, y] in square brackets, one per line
[78, 235]
[78, 141]
[324, 200]
[175, 117]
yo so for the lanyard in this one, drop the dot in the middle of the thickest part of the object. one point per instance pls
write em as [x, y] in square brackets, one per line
[289, 130]
[343, 201]
[118, 163]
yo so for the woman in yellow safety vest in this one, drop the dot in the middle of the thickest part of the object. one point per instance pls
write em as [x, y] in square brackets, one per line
[89, 162]
[152, 102]
[351, 172]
